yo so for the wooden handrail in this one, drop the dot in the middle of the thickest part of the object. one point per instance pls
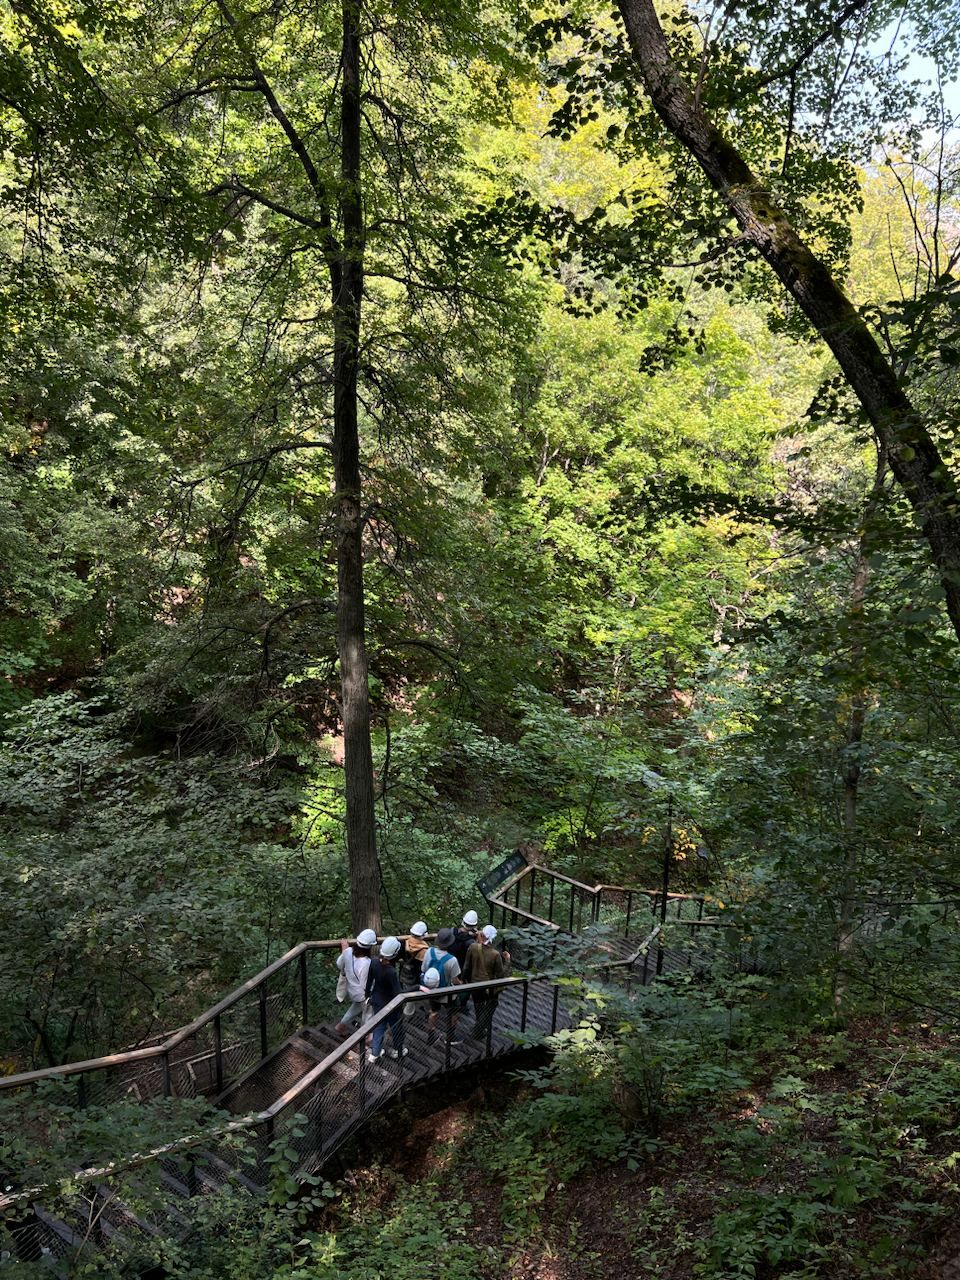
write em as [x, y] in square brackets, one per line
[595, 888]
[280, 1104]
[306, 1081]
[519, 911]
[176, 1038]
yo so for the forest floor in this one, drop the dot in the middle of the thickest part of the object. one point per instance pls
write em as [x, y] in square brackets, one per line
[837, 1160]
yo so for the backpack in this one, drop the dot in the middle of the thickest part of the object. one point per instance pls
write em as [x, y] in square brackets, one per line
[433, 961]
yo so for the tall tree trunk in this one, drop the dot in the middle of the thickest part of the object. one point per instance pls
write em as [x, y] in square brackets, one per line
[351, 643]
[344, 259]
[913, 455]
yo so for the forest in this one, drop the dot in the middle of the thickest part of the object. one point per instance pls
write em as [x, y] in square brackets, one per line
[429, 433]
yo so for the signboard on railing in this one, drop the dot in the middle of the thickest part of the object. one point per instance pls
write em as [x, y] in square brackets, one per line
[489, 883]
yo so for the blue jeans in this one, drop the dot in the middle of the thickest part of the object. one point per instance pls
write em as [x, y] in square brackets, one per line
[395, 1023]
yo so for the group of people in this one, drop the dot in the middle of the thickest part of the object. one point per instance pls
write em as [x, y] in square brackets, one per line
[367, 982]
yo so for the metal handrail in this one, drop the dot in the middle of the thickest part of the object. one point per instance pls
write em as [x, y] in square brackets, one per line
[595, 888]
[253, 1119]
[175, 1038]
[305, 1083]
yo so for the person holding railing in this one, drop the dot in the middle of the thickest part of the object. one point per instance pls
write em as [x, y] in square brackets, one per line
[354, 965]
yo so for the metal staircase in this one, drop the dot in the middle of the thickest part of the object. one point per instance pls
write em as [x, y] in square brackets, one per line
[267, 1059]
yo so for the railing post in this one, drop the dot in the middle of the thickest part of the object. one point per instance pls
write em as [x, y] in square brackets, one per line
[626, 926]
[449, 1036]
[571, 908]
[81, 1090]
[646, 965]
[523, 1006]
[304, 994]
[700, 909]
[533, 876]
[553, 1015]
[218, 1054]
[262, 993]
[553, 885]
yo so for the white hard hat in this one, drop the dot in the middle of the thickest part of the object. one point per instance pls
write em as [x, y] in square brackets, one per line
[430, 980]
[489, 932]
[389, 947]
[418, 930]
[367, 938]
[472, 919]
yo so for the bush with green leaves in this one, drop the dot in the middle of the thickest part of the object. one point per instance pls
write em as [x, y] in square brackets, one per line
[134, 885]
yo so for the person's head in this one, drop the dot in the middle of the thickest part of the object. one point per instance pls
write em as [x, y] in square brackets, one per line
[470, 920]
[418, 929]
[430, 980]
[366, 939]
[389, 949]
[444, 938]
[488, 933]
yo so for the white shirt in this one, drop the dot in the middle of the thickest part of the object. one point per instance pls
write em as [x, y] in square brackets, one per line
[355, 969]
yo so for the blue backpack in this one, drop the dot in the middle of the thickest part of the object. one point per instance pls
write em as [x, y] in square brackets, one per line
[434, 961]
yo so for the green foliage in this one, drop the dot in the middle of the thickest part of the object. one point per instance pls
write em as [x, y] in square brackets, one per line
[381, 1230]
[124, 900]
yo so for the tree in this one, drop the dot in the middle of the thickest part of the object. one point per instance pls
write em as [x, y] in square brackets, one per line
[913, 454]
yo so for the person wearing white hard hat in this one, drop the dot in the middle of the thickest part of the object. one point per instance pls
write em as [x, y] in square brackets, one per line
[430, 981]
[354, 965]
[413, 949]
[440, 958]
[463, 939]
[383, 985]
[465, 936]
[484, 963]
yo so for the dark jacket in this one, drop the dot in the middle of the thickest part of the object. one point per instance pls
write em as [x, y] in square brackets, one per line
[462, 942]
[383, 984]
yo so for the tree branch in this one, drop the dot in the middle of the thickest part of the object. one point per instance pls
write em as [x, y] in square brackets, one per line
[835, 29]
[912, 452]
[330, 243]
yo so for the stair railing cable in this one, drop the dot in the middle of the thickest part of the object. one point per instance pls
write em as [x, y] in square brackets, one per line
[540, 889]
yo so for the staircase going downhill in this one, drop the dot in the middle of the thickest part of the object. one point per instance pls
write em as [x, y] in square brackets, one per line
[268, 1059]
